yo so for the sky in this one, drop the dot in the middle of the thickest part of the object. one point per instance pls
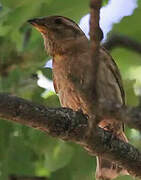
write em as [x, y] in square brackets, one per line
[110, 14]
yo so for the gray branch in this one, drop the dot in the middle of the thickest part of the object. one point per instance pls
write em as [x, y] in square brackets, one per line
[66, 124]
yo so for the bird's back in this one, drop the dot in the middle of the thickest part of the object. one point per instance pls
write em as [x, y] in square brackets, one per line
[73, 80]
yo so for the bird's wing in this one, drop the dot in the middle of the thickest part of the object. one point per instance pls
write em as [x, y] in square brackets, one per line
[115, 71]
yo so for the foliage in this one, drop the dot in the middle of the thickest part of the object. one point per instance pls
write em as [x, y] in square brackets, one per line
[25, 151]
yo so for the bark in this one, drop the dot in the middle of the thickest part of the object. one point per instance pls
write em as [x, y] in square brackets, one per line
[69, 125]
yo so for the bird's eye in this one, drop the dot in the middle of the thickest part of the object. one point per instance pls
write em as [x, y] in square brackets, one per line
[58, 21]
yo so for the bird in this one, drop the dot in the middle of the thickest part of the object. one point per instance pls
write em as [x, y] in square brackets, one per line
[73, 78]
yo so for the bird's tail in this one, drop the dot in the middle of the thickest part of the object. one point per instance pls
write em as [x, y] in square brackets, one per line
[107, 170]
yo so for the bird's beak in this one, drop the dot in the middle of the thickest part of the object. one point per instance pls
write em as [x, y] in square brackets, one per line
[39, 24]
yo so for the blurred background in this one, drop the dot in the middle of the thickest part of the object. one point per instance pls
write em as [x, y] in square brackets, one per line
[25, 71]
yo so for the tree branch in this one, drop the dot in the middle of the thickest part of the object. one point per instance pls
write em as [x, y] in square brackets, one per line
[95, 38]
[117, 40]
[69, 125]
[14, 177]
[96, 33]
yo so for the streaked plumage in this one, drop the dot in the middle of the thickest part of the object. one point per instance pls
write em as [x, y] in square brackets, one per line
[74, 79]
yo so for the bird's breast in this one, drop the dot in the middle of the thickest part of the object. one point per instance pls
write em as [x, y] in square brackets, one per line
[65, 87]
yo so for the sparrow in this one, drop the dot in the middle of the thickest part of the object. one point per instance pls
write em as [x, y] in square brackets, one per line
[73, 78]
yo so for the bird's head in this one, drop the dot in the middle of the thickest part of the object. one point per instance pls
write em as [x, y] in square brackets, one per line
[58, 32]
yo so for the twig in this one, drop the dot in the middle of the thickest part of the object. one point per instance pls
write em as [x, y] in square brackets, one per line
[95, 38]
[69, 125]
[14, 177]
[27, 36]
[117, 40]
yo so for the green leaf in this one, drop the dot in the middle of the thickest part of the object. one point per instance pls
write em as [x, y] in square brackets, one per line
[47, 72]
[58, 157]
[129, 63]
[131, 97]
[126, 26]
[51, 98]
[65, 8]
[13, 3]
[21, 161]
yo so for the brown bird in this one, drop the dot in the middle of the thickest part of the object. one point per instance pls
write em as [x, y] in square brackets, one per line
[73, 77]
